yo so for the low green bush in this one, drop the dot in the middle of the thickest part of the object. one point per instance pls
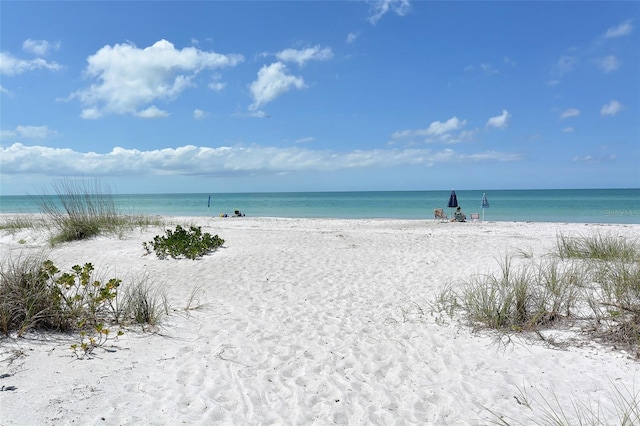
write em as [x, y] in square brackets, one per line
[190, 243]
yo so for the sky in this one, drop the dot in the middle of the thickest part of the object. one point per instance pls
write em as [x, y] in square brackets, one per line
[279, 96]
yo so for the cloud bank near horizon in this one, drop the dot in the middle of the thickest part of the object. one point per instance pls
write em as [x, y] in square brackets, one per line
[190, 160]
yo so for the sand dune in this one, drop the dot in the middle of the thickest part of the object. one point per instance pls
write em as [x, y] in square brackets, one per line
[307, 321]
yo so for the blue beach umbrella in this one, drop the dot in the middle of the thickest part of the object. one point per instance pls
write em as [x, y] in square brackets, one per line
[453, 200]
[485, 204]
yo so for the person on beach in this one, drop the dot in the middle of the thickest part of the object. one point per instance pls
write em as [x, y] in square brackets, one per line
[459, 216]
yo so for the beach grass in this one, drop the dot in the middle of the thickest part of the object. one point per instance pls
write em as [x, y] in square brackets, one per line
[26, 299]
[86, 208]
[598, 247]
[143, 303]
[17, 223]
[523, 297]
[196, 297]
[548, 410]
[591, 280]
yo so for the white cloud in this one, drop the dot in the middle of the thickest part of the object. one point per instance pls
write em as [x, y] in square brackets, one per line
[273, 80]
[39, 47]
[300, 57]
[571, 112]
[379, 8]
[152, 112]
[507, 60]
[6, 91]
[305, 140]
[501, 121]
[216, 85]
[28, 132]
[488, 69]
[594, 159]
[205, 161]
[91, 113]
[568, 130]
[351, 37]
[10, 65]
[258, 114]
[199, 114]
[438, 128]
[485, 67]
[608, 63]
[438, 131]
[622, 29]
[564, 65]
[611, 108]
[584, 159]
[128, 78]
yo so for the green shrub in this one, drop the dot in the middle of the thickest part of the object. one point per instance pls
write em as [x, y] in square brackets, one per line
[36, 295]
[191, 243]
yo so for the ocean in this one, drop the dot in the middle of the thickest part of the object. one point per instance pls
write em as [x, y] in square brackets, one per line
[569, 205]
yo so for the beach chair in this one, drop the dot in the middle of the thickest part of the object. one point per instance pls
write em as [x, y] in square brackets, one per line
[475, 217]
[439, 214]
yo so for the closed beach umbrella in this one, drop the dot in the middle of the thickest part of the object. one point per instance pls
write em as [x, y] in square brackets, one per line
[485, 204]
[453, 200]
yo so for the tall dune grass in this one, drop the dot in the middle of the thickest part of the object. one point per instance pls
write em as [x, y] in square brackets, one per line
[84, 208]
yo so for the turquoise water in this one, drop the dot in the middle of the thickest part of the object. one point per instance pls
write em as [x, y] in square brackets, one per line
[577, 206]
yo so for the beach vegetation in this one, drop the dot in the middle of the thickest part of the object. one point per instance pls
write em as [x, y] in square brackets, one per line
[190, 243]
[598, 246]
[82, 209]
[525, 297]
[143, 303]
[591, 283]
[549, 410]
[17, 223]
[194, 301]
[35, 295]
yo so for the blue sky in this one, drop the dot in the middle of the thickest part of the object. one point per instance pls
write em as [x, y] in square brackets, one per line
[242, 96]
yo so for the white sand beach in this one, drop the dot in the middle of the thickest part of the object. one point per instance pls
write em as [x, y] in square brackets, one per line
[309, 321]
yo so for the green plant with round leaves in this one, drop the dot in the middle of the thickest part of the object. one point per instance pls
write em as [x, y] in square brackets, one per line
[190, 243]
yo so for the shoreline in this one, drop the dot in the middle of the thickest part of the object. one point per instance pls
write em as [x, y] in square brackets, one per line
[308, 320]
[186, 218]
